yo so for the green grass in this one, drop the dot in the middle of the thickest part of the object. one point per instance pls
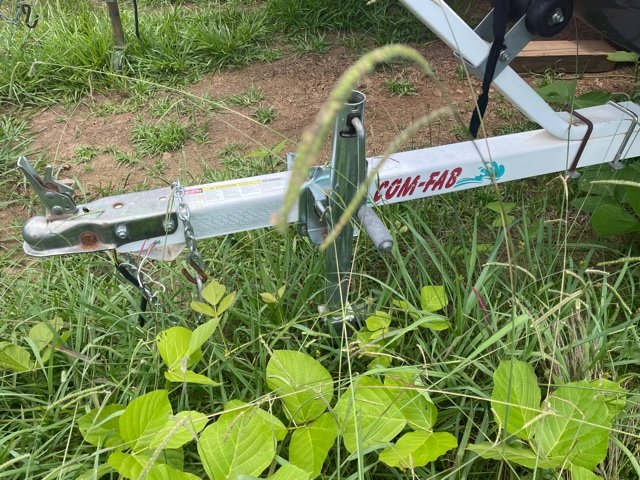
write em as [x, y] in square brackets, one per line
[306, 42]
[582, 312]
[400, 87]
[581, 327]
[252, 96]
[155, 139]
[84, 154]
[14, 142]
[265, 114]
[64, 60]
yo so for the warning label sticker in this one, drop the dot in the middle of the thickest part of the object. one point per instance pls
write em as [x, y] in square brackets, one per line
[235, 190]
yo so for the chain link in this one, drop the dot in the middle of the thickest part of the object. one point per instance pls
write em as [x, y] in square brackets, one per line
[16, 17]
[143, 279]
[21, 9]
[194, 259]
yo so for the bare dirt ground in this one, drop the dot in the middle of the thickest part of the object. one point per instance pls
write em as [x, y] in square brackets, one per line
[295, 86]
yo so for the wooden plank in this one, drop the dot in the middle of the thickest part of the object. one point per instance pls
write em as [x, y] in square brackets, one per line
[589, 56]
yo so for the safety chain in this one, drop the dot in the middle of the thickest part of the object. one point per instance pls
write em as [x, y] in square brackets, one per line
[194, 259]
[131, 270]
[143, 279]
[20, 9]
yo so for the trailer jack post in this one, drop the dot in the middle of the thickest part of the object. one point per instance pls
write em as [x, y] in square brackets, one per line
[347, 170]
[323, 201]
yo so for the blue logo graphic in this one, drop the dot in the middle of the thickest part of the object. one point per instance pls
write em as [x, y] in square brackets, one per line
[486, 173]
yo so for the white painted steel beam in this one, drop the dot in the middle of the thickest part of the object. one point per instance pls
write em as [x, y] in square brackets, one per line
[461, 38]
[246, 204]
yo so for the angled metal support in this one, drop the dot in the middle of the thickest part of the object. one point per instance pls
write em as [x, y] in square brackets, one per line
[118, 35]
[474, 50]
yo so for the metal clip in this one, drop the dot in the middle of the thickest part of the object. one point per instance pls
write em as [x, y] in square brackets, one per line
[25, 8]
[56, 196]
[616, 164]
[200, 275]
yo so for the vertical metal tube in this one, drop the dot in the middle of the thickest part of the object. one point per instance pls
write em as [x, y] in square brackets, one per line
[118, 34]
[348, 170]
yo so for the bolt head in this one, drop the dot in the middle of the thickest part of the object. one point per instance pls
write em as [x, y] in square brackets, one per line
[557, 16]
[169, 225]
[122, 232]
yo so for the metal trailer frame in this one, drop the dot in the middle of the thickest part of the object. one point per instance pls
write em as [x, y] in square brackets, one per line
[148, 222]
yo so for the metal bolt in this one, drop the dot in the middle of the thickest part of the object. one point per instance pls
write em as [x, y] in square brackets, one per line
[504, 56]
[122, 231]
[557, 16]
[169, 225]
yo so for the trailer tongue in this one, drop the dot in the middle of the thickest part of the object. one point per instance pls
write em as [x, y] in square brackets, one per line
[160, 223]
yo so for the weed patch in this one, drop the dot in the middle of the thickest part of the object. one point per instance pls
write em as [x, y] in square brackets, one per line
[155, 139]
[400, 87]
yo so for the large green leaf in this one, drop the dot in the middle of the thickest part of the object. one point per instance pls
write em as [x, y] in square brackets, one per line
[174, 457]
[132, 465]
[592, 99]
[437, 323]
[412, 399]
[368, 414]
[416, 449]
[14, 357]
[180, 429]
[165, 472]
[304, 386]
[378, 322]
[226, 303]
[574, 427]
[608, 220]
[188, 376]
[579, 473]
[623, 56]
[239, 443]
[591, 202]
[558, 92]
[129, 465]
[614, 396]
[144, 417]
[215, 310]
[201, 335]
[433, 298]
[96, 473]
[310, 444]
[290, 472]
[173, 345]
[203, 308]
[633, 197]
[100, 427]
[43, 333]
[213, 292]
[277, 428]
[518, 455]
[515, 398]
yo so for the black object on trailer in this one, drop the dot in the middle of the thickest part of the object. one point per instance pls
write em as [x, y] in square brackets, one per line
[617, 20]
